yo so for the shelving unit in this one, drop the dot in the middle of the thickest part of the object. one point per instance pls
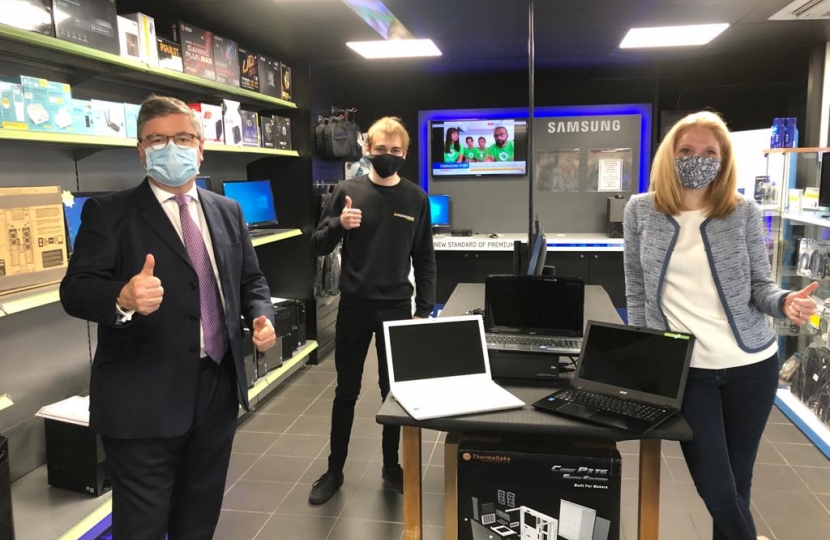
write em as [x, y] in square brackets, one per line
[283, 234]
[5, 401]
[29, 299]
[267, 384]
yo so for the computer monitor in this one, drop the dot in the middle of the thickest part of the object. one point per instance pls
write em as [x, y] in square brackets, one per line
[439, 208]
[538, 252]
[256, 200]
[72, 208]
[203, 182]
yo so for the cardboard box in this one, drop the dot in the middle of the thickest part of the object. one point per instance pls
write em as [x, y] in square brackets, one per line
[170, 55]
[36, 16]
[282, 126]
[46, 104]
[268, 131]
[12, 110]
[92, 23]
[226, 60]
[131, 120]
[32, 237]
[538, 491]
[128, 38]
[83, 122]
[232, 122]
[248, 70]
[108, 118]
[197, 50]
[269, 76]
[211, 118]
[147, 46]
[285, 81]
[250, 128]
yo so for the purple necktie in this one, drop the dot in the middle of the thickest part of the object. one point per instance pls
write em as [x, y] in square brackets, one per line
[210, 303]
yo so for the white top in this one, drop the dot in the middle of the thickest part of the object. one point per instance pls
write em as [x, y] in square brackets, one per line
[691, 303]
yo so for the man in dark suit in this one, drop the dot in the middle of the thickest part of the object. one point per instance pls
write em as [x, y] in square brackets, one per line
[166, 269]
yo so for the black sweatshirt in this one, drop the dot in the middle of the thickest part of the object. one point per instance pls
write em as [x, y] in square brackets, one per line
[395, 227]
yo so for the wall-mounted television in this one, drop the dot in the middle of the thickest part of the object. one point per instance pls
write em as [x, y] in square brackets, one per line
[478, 147]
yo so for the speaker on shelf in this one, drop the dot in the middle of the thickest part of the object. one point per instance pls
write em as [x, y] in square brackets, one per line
[6, 521]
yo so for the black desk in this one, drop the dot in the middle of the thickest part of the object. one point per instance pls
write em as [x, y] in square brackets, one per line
[524, 421]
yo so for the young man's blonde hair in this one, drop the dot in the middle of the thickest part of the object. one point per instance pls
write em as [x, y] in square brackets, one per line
[721, 196]
[388, 126]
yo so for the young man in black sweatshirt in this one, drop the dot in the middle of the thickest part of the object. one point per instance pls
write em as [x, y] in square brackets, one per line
[384, 223]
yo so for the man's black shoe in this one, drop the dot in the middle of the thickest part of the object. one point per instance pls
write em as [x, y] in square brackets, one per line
[324, 488]
[393, 475]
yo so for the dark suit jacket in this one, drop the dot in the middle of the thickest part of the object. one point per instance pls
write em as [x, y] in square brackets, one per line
[145, 372]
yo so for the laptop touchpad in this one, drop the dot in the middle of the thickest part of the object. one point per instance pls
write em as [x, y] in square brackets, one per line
[579, 410]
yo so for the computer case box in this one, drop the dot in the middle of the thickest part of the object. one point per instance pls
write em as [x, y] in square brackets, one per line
[92, 23]
[250, 128]
[6, 517]
[197, 50]
[269, 76]
[528, 490]
[108, 118]
[226, 60]
[268, 131]
[170, 55]
[147, 45]
[232, 122]
[248, 70]
[128, 38]
[212, 121]
[283, 128]
[32, 15]
[285, 81]
[75, 458]
[32, 237]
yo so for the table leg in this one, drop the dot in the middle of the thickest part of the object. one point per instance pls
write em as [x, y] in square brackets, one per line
[648, 522]
[411, 438]
[451, 486]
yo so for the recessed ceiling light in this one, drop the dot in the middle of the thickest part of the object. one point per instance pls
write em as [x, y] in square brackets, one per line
[672, 36]
[395, 48]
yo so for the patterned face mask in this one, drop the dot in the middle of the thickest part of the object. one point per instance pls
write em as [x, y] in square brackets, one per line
[697, 172]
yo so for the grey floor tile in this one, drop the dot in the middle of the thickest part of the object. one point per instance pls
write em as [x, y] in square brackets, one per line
[825, 500]
[305, 391]
[803, 454]
[239, 464]
[788, 529]
[761, 526]
[768, 453]
[679, 470]
[298, 445]
[792, 505]
[327, 393]
[629, 492]
[311, 425]
[432, 508]
[247, 442]
[628, 522]
[777, 417]
[432, 532]
[285, 405]
[320, 407]
[816, 478]
[429, 435]
[279, 469]
[268, 423]
[628, 447]
[366, 428]
[349, 529]
[681, 498]
[703, 525]
[631, 469]
[671, 449]
[366, 410]
[676, 525]
[373, 477]
[310, 376]
[300, 527]
[239, 525]
[254, 496]
[297, 503]
[780, 477]
[375, 504]
[352, 473]
[785, 433]
[437, 459]
[433, 481]
[362, 449]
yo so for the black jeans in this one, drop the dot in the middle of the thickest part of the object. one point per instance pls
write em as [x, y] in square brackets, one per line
[727, 410]
[357, 322]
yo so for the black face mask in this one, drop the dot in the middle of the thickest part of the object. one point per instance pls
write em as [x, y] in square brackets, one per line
[386, 165]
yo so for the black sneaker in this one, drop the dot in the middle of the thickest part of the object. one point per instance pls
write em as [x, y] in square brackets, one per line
[393, 475]
[324, 488]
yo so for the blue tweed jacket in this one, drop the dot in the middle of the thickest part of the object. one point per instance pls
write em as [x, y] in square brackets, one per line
[738, 261]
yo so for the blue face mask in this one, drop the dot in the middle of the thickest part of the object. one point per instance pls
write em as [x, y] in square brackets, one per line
[172, 165]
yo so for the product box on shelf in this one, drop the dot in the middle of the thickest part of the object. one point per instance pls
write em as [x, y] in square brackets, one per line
[211, 117]
[232, 122]
[108, 118]
[269, 76]
[92, 23]
[197, 50]
[83, 119]
[147, 46]
[527, 491]
[282, 126]
[131, 120]
[248, 70]
[285, 81]
[128, 38]
[12, 110]
[46, 104]
[169, 55]
[226, 60]
[32, 15]
[32, 237]
[250, 128]
[268, 131]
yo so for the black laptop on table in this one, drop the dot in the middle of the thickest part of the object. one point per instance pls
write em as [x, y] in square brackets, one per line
[626, 377]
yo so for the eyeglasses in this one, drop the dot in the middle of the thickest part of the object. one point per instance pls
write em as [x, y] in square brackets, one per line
[182, 140]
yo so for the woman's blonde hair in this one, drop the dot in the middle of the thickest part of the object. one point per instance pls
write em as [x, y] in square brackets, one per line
[721, 196]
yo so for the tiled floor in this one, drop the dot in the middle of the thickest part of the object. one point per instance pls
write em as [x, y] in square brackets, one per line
[282, 448]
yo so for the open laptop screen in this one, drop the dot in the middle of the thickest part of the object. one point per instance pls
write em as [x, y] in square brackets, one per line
[641, 360]
[550, 306]
[256, 200]
[432, 349]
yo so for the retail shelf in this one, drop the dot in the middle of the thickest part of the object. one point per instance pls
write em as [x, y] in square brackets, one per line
[813, 150]
[812, 218]
[804, 418]
[29, 299]
[266, 384]
[5, 401]
[250, 150]
[279, 234]
[32, 45]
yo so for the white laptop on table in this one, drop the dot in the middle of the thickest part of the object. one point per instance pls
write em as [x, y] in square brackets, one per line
[440, 367]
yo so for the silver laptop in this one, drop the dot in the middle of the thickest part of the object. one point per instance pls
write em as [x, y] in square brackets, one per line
[439, 367]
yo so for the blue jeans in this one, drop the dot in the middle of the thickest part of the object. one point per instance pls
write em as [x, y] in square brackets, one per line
[727, 410]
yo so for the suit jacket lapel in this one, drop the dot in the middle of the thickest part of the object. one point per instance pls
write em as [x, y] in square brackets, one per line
[154, 215]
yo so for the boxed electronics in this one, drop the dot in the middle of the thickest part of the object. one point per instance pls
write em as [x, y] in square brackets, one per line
[268, 132]
[197, 50]
[82, 117]
[528, 490]
[248, 70]
[131, 119]
[32, 15]
[211, 118]
[108, 118]
[46, 104]
[285, 82]
[12, 111]
[148, 50]
[297, 308]
[285, 325]
[92, 23]
[6, 517]
[269, 76]
[32, 237]
[283, 129]
[170, 55]
[250, 128]
[128, 37]
[226, 60]
[232, 122]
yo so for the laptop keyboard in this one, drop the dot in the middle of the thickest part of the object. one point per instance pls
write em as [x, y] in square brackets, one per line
[556, 343]
[611, 404]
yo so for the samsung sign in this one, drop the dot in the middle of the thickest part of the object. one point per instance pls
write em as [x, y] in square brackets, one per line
[583, 126]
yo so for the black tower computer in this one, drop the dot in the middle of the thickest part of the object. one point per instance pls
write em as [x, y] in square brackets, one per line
[6, 522]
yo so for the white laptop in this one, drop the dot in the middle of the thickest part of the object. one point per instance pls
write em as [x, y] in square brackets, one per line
[440, 367]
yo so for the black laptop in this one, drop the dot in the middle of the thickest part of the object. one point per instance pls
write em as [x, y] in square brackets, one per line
[626, 377]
